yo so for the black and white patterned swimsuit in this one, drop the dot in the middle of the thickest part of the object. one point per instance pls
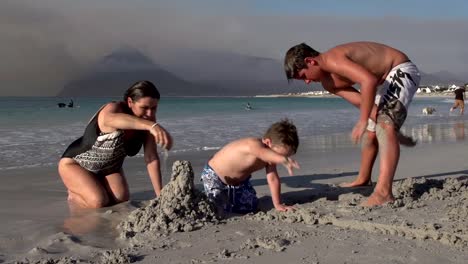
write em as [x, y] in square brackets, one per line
[103, 153]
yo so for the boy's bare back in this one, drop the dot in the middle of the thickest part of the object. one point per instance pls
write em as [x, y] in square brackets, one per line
[235, 162]
[376, 58]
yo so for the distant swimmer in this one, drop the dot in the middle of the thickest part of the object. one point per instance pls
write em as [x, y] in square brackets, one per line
[62, 105]
[248, 106]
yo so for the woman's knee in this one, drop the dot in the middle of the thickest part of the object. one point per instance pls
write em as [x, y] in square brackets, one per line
[121, 197]
[97, 200]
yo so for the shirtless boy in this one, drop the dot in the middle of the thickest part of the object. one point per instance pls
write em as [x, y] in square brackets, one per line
[226, 176]
[387, 79]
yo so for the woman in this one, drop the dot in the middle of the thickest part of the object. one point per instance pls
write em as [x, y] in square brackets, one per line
[91, 167]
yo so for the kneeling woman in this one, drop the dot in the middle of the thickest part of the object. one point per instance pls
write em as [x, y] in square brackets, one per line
[91, 167]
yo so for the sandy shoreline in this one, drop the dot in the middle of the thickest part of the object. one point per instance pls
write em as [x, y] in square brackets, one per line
[322, 94]
[427, 224]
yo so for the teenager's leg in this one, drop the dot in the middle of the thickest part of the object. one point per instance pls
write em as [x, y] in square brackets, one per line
[389, 156]
[369, 150]
[117, 187]
[83, 187]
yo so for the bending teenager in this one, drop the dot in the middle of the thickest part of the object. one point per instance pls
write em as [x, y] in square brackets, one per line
[388, 81]
[91, 167]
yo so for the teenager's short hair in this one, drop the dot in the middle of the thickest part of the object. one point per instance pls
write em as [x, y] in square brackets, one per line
[284, 133]
[294, 59]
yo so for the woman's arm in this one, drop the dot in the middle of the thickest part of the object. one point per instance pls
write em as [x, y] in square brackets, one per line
[153, 164]
[112, 118]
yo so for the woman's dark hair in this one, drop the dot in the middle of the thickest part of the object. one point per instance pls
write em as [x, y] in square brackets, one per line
[142, 89]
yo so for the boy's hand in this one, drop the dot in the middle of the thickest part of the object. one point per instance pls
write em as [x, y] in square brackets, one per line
[290, 164]
[358, 130]
[284, 208]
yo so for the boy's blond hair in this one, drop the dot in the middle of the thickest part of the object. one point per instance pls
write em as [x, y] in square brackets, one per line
[283, 133]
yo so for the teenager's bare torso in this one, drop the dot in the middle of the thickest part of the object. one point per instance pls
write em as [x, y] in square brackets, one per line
[376, 58]
[234, 163]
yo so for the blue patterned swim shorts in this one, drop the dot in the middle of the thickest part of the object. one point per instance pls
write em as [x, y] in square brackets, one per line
[236, 199]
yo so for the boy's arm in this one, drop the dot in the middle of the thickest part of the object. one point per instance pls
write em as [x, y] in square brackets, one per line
[269, 156]
[274, 183]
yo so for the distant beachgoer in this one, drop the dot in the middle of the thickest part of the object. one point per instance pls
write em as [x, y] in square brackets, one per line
[226, 176]
[70, 104]
[91, 167]
[370, 65]
[459, 100]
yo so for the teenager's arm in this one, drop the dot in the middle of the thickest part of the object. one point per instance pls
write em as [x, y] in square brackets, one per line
[343, 66]
[351, 95]
[153, 164]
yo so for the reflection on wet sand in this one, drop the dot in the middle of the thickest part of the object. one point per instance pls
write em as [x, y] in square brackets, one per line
[423, 133]
[431, 133]
[96, 226]
[459, 131]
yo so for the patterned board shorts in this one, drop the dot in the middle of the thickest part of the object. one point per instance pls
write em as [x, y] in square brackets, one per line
[395, 95]
[227, 198]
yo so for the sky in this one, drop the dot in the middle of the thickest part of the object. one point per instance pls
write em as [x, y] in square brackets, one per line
[46, 43]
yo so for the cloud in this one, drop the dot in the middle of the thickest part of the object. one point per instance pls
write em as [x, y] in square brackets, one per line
[46, 43]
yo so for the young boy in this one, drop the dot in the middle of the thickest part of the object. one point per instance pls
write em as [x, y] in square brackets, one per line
[369, 65]
[226, 176]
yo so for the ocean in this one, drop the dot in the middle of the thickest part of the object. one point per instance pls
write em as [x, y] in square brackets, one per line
[34, 131]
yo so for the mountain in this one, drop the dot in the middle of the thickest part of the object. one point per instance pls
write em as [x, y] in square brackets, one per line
[205, 73]
[114, 73]
[441, 78]
[220, 74]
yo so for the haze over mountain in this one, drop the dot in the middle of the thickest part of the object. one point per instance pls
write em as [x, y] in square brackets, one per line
[226, 75]
[203, 73]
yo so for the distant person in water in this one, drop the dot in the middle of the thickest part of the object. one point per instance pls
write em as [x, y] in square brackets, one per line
[459, 100]
[91, 167]
[388, 81]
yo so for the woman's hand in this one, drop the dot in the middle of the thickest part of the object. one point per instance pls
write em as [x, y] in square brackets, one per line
[161, 136]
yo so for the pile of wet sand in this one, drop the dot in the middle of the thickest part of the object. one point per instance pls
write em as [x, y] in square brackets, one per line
[180, 208]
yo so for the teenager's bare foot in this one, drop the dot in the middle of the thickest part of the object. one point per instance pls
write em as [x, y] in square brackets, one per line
[405, 140]
[355, 184]
[377, 199]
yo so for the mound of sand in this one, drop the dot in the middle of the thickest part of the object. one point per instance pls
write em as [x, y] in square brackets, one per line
[180, 208]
